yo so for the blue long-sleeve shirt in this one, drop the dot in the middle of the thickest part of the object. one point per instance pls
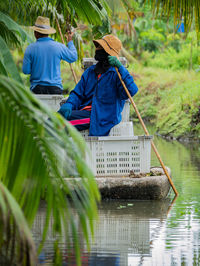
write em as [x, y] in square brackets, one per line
[107, 96]
[42, 61]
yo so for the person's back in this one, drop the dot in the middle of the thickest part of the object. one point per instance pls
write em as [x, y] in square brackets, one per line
[42, 61]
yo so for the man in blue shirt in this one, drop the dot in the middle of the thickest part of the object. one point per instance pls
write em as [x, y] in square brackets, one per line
[42, 59]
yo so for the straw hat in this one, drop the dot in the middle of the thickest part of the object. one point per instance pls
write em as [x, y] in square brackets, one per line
[111, 44]
[42, 25]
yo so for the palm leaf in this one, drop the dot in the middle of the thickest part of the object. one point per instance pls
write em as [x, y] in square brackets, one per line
[180, 8]
[10, 37]
[8, 61]
[91, 11]
[2, 68]
[12, 26]
[16, 243]
[72, 11]
[35, 156]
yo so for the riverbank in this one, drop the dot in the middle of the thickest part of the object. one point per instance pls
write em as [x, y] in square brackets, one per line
[170, 100]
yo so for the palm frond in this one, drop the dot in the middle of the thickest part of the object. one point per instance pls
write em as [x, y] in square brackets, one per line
[92, 11]
[3, 70]
[9, 37]
[7, 61]
[16, 243]
[12, 27]
[186, 9]
[70, 11]
[36, 154]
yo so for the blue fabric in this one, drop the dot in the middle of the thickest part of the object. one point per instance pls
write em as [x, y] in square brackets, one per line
[107, 96]
[66, 110]
[181, 28]
[78, 115]
[42, 61]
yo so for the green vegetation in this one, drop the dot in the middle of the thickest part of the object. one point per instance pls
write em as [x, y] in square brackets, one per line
[33, 149]
[169, 85]
[36, 154]
[164, 63]
[170, 100]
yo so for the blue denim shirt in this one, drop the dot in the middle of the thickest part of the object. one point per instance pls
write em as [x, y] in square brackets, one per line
[107, 96]
[42, 61]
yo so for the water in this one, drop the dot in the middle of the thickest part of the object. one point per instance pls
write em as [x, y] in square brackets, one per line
[151, 232]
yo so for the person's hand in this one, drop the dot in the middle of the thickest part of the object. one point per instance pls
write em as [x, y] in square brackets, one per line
[113, 61]
[65, 110]
[69, 36]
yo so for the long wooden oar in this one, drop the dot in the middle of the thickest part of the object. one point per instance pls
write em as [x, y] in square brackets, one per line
[147, 133]
[61, 35]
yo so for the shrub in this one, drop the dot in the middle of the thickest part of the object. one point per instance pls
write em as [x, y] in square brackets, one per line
[151, 40]
[169, 58]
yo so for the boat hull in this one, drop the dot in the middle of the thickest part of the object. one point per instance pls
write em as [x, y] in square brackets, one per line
[144, 188]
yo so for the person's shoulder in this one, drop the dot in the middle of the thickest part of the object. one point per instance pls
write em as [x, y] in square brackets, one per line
[112, 69]
[89, 69]
[31, 46]
[58, 43]
[55, 42]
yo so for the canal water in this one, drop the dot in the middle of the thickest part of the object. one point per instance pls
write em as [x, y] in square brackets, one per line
[150, 232]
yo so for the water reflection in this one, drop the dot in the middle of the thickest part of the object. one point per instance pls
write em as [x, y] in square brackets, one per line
[129, 228]
[125, 229]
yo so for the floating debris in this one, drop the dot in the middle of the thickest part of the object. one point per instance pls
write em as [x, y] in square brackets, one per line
[155, 171]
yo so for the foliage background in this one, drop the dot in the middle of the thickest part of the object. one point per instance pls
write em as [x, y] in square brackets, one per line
[164, 64]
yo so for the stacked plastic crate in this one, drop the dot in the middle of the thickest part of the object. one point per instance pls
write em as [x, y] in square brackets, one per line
[52, 100]
[121, 152]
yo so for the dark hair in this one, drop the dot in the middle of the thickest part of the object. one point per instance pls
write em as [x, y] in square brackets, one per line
[40, 35]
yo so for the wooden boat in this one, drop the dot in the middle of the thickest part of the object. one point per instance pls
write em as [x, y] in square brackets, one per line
[134, 187]
[155, 187]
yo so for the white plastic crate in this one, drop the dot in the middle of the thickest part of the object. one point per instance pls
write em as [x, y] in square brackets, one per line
[117, 156]
[52, 100]
[124, 129]
[126, 111]
[85, 133]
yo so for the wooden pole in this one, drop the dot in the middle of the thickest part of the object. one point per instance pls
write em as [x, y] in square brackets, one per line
[147, 133]
[61, 35]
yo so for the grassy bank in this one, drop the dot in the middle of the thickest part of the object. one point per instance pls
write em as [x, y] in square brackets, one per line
[169, 99]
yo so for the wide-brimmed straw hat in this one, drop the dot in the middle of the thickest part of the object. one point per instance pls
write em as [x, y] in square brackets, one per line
[42, 25]
[111, 44]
